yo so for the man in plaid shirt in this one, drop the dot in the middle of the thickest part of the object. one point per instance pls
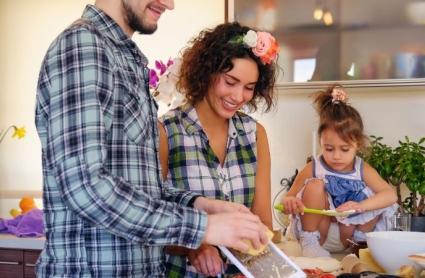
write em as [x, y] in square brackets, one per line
[107, 214]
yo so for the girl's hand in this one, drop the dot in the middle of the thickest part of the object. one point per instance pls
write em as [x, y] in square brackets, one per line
[351, 205]
[293, 205]
[206, 259]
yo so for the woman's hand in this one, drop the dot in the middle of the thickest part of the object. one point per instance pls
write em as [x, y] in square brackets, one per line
[351, 205]
[293, 205]
[206, 259]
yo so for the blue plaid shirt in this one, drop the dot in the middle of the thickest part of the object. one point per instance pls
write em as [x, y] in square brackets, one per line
[106, 211]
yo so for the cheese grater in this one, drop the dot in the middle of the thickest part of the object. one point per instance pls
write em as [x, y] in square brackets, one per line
[271, 263]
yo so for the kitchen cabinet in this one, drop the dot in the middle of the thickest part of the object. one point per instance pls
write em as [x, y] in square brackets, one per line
[18, 255]
[359, 43]
[18, 263]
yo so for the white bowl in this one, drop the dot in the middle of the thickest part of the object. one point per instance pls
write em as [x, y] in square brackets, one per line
[391, 249]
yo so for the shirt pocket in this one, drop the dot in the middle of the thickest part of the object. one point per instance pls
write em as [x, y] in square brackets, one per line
[137, 119]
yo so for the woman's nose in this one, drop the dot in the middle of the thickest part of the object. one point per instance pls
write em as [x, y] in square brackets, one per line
[237, 94]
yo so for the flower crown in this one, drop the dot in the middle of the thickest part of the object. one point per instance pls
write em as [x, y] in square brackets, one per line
[339, 95]
[262, 44]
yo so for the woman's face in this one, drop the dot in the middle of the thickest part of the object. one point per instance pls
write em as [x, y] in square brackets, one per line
[233, 89]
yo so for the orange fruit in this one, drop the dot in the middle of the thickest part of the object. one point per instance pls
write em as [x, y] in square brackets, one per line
[26, 204]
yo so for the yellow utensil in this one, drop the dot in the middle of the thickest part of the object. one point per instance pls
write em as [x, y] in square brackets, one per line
[327, 212]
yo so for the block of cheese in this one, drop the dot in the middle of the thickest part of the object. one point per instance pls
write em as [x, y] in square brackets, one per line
[406, 271]
[254, 252]
[366, 258]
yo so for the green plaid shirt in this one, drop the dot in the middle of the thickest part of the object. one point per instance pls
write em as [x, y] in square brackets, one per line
[106, 211]
[194, 166]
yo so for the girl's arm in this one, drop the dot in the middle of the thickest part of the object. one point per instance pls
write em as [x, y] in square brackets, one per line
[293, 204]
[262, 196]
[163, 150]
[384, 193]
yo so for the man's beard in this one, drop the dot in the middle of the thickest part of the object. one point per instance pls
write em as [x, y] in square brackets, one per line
[136, 23]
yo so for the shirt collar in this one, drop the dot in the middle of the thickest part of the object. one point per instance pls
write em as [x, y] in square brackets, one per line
[192, 124]
[109, 28]
[104, 23]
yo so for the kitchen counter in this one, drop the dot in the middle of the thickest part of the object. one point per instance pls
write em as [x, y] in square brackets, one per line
[13, 242]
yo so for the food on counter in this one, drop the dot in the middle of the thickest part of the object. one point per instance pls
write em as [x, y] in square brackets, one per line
[406, 271]
[14, 212]
[419, 258]
[325, 264]
[26, 204]
[366, 258]
[317, 273]
[352, 264]
[254, 252]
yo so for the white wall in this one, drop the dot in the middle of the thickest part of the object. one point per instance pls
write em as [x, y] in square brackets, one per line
[388, 112]
[28, 27]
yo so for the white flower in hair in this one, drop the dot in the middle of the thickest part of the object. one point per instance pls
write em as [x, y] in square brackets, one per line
[339, 95]
[250, 38]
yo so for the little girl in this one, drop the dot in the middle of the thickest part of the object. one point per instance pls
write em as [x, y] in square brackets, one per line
[337, 179]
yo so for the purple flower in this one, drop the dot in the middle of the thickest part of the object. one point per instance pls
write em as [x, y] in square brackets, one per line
[153, 78]
[160, 66]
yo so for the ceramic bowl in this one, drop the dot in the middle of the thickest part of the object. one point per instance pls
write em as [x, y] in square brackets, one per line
[391, 249]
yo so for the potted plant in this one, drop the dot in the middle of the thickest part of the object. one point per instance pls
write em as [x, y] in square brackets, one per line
[404, 164]
[382, 158]
[410, 170]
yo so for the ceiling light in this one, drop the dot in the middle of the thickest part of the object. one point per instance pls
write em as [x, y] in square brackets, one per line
[327, 18]
[318, 13]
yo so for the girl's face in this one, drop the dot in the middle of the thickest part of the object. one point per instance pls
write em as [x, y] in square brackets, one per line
[233, 89]
[337, 153]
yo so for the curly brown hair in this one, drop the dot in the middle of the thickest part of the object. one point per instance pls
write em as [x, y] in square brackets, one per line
[211, 53]
[344, 119]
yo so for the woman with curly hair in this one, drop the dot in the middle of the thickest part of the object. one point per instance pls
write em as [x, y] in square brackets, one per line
[208, 144]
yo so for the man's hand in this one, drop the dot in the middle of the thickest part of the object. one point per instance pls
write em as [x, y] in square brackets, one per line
[230, 229]
[212, 206]
[206, 259]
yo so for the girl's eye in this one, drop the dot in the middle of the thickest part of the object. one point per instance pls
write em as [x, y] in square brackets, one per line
[328, 150]
[345, 150]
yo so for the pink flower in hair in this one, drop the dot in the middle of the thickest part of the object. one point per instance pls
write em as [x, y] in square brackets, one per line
[339, 95]
[266, 48]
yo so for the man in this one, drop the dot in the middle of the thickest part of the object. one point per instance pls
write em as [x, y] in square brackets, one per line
[106, 212]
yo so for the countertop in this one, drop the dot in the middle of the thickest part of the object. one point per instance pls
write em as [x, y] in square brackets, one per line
[13, 242]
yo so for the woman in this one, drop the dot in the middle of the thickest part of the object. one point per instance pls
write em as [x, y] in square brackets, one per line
[208, 145]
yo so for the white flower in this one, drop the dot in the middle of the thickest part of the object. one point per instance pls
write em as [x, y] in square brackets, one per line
[167, 91]
[250, 39]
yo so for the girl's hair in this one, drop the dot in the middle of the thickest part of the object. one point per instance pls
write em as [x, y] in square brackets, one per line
[335, 113]
[211, 53]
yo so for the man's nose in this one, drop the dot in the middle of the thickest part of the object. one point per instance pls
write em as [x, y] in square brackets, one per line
[169, 4]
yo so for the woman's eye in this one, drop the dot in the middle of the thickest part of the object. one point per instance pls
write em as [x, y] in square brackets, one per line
[230, 83]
